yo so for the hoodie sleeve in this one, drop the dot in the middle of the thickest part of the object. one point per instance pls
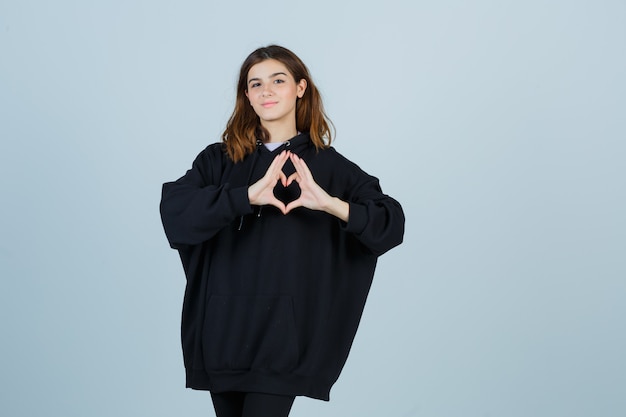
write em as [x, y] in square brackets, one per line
[198, 205]
[375, 219]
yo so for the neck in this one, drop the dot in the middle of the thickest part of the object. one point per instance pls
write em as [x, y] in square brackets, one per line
[281, 132]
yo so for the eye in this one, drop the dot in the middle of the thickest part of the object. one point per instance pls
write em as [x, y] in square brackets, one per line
[253, 85]
[278, 81]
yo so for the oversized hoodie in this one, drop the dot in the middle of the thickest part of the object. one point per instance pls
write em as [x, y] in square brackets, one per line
[273, 301]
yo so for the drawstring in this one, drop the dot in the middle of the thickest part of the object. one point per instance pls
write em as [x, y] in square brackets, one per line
[254, 159]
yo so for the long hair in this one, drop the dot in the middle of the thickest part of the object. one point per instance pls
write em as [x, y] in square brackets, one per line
[244, 127]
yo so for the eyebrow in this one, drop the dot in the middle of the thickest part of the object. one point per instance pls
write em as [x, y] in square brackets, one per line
[271, 76]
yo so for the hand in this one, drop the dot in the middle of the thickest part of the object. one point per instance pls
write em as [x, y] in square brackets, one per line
[312, 196]
[262, 192]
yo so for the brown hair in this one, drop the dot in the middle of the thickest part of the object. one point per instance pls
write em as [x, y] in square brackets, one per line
[244, 127]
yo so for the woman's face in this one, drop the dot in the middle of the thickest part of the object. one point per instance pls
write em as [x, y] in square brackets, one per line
[273, 91]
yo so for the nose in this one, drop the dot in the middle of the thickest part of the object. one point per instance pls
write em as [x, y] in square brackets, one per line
[267, 89]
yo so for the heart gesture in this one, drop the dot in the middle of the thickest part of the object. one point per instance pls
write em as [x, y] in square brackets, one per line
[312, 196]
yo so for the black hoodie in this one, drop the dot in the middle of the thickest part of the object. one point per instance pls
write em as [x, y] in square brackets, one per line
[273, 301]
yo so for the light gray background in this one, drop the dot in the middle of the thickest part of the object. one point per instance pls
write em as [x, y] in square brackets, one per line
[499, 126]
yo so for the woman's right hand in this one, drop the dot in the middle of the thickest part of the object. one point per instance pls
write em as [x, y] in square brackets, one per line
[262, 192]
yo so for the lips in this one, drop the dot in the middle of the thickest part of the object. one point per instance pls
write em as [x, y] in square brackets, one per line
[269, 104]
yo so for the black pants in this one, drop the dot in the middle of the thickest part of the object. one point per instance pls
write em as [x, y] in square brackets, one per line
[251, 404]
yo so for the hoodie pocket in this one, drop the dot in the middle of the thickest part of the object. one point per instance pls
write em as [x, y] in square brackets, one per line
[250, 333]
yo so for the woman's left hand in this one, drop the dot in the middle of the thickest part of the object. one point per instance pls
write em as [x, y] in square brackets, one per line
[312, 196]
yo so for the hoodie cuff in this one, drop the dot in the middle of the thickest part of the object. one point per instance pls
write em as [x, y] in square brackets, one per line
[241, 202]
[357, 219]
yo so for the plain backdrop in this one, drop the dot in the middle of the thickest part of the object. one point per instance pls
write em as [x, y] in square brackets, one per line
[499, 126]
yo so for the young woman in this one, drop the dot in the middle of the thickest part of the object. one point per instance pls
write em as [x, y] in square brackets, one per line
[278, 236]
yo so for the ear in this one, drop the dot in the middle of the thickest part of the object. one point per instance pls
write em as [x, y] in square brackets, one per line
[301, 88]
[246, 91]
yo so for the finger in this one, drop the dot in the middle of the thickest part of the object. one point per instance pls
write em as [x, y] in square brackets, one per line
[273, 173]
[292, 205]
[301, 166]
[295, 176]
[278, 162]
[281, 163]
[282, 158]
[283, 178]
[278, 158]
[279, 205]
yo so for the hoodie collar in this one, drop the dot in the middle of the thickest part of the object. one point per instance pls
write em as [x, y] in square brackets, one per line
[295, 144]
